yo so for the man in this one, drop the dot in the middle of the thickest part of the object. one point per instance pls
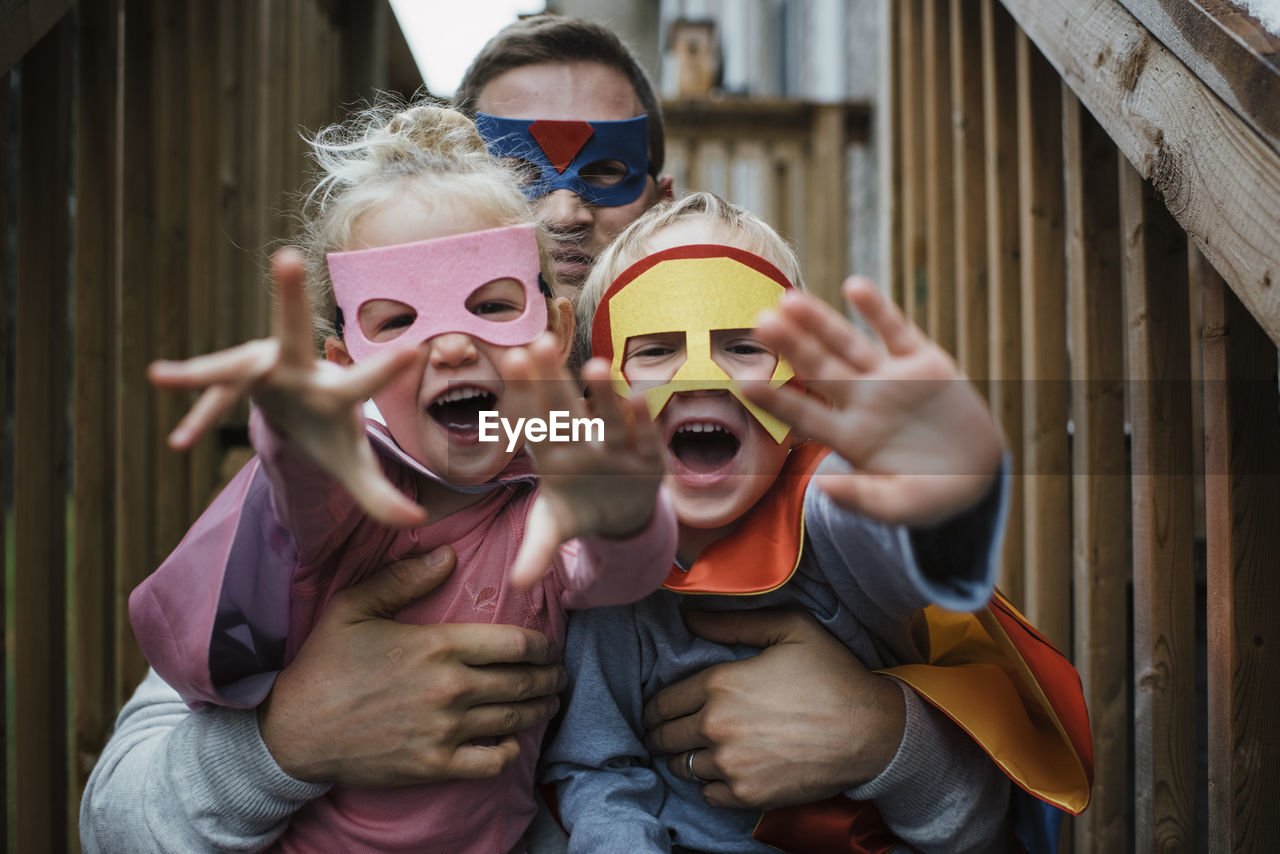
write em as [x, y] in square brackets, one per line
[372, 701]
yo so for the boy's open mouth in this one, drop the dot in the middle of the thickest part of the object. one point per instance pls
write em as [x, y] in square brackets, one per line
[704, 447]
[457, 409]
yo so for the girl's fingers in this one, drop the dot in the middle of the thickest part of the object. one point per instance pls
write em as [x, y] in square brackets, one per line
[242, 365]
[292, 319]
[208, 408]
[379, 498]
[361, 380]
[606, 405]
[899, 335]
[832, 329]
[542, 536]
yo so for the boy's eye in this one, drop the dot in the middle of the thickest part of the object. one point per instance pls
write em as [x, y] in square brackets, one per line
[603, 173]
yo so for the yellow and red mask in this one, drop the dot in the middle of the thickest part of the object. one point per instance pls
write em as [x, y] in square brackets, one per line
[696, 290]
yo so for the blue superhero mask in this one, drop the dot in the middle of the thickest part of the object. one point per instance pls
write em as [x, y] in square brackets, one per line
[603, 162]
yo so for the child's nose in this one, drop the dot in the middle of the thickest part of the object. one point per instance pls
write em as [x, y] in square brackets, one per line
[452, 349]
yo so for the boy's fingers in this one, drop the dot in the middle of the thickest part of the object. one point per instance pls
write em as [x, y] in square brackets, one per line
[900, 337]
[878, 496]
[208, 408]
[811, 360]
[833, 329]
[292, 319]
[806, 415]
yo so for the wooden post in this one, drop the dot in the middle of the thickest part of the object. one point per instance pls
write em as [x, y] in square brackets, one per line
[135, 428]
[825, 230]
[39, 821]
[969, 215]
[1047, 499]
[1100, 494]
[94, 386]
[1242, 493]
[890, 142]
[5, 648]
[1155, 269]
[935, 51]
[1000, 135]
[914, 218]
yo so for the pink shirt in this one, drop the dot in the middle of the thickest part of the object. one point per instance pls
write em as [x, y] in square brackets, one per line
[333, 545]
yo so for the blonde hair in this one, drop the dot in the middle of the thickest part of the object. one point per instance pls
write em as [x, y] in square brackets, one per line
[744, 230]
[386, 151]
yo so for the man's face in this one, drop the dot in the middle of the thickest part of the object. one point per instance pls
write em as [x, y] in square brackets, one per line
[573, 91]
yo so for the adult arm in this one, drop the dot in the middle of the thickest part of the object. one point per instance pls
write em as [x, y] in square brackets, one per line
[367, 701]
[803, 720]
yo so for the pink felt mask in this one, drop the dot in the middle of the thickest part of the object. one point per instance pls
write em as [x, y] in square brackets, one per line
[435, 278]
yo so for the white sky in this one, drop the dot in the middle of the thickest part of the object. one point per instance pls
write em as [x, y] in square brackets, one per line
[445, 35]
[1267, 11]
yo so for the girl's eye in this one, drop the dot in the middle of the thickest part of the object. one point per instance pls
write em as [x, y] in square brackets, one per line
[400, 321]
[491, 307]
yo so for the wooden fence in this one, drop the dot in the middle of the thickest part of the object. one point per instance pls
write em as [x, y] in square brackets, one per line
[1086, 208]
[153, 146]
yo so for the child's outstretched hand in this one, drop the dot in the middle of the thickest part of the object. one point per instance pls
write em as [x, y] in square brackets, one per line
[606, 488]
[316, 404]
[923, 445]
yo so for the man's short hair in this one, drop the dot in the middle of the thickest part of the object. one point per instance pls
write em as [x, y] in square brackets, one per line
[553, 38]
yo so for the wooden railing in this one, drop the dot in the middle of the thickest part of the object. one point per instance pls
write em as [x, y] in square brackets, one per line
[1086, 207]
[155, 144]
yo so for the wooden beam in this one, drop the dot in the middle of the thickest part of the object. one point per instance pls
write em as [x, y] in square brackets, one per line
[95, 291]
[1242, 493]
[23, 23]
[1100, 493]
[935, 56]
[826, 236]
[1164, 654]
[969, 215]
[889, 143]
[914, 216]
[39, 818]
[1047, 499]
[1215, 174]
[1228, 50]
[1000, 136]
[5, 435]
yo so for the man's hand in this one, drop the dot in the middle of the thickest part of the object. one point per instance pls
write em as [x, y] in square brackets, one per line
[370, 701]
[800, 722]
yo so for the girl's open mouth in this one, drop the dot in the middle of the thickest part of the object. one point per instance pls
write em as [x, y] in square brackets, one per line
[703, 447]
[458, 409]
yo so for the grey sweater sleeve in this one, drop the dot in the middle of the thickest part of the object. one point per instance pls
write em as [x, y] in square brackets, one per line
[941, 792]
[173, 780]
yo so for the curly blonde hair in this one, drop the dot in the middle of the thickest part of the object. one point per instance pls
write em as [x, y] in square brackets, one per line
[739, 226]
[428, 151]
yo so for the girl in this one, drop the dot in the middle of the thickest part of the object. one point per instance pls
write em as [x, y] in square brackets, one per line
[424, 269]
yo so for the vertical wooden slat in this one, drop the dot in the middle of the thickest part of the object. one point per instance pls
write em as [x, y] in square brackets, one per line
[40, 460]
[825, 232]
[170, 247]
[1100, 497]
[228, 265]
[1047, 516]
[5, 334]
[970, 206]
[1000, 136]
[203, 291]
[889, 142]
[135, 427]
[914, 216]
[935, 53]
[1242, 495]
[1155, 268]
[94, 386]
